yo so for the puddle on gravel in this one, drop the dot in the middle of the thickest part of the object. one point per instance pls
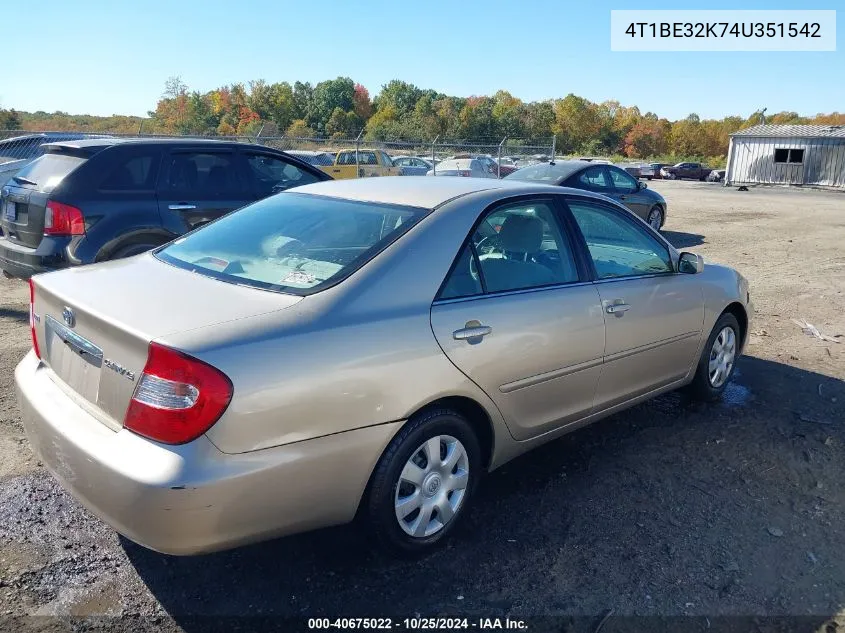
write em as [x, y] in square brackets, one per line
[736, 395]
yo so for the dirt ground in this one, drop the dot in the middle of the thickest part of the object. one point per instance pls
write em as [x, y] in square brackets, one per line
[669, 509]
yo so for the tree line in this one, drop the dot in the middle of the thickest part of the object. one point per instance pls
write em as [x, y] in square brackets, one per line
[401, 111]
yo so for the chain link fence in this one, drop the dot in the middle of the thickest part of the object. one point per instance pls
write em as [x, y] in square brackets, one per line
[412, 157]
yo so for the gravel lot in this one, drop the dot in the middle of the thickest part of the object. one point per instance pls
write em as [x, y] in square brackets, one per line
[668, 509]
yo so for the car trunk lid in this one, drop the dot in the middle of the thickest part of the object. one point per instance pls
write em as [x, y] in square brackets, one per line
[94, 324]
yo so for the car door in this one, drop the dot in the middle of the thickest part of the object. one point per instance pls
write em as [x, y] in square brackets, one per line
[626, 189]
[198, 186]
[519, 317]
[653, 315]
[267, 173]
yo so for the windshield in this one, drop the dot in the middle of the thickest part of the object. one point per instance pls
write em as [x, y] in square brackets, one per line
[49, 170]
[292, 242]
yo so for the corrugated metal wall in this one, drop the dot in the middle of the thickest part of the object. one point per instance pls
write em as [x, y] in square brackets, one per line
[752, 160]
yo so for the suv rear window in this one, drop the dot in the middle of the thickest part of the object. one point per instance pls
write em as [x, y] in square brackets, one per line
[49, 170]
[292, 242]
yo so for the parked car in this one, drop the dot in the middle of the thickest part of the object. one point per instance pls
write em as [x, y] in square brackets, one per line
[488, 162]
[600, 161]
[646, 171]
[17, 151]
[696, 171]
[634, 170]
[468, 167]
[320, 159]
[608, 180]
[91, 200]
[656, 168]
[717, 175]
[369, 162]
[252, 379]
[412, 166]
[505, 166]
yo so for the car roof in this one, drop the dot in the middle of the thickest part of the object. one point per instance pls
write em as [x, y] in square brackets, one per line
[428, 192]
[107, 142]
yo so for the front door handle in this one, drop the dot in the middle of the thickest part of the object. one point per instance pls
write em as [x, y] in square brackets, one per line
[617, 308]
[622, 196]
[181, 207]
[473, 330]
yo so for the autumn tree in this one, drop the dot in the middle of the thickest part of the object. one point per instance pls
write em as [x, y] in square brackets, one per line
[361, 103]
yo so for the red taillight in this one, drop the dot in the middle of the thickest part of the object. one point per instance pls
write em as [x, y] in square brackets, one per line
[32, 319]
[464, 172]
[178, 398]
[63, 219]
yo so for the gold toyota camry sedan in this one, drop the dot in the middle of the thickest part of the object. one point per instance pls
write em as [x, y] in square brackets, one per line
[359, 349]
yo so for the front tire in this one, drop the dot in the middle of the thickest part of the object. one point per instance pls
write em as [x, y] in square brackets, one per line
[718, 360]
[423, 482]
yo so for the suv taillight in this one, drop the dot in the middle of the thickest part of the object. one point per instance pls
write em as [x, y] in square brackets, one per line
[178, 398]
[32, 319]
[63, 219]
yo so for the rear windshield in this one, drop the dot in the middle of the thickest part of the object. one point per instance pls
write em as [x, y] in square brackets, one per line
[292, 242]
[544, 172]
[49, 170]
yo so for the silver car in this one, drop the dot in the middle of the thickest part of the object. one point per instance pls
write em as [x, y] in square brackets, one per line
[467, 167]
[362, 348]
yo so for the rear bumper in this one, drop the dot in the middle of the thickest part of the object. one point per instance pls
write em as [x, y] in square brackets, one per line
[192, 498]
[24, 262]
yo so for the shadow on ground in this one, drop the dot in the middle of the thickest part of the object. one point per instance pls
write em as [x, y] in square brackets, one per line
[21, 316]
[681, 240]
[671, 508]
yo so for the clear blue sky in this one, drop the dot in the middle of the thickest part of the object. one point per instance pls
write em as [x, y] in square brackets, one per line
[106, 58]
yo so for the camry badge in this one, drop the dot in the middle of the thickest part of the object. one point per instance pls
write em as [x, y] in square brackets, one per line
[68, 316]
[119, 369]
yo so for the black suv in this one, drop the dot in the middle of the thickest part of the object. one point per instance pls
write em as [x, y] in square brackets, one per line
[97, 199]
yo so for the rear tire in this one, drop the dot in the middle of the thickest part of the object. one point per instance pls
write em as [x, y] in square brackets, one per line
[655, 217]
[131, 249]
[409, 518]
[718, 360]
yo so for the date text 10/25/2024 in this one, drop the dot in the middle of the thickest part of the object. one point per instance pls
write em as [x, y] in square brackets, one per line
[418, 624]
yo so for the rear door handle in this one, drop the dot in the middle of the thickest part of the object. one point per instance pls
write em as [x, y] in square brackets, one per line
[617, 308]
[471, 331]
[181, 207]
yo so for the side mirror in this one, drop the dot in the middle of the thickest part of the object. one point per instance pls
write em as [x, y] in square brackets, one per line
[690, 263]
[642, 185]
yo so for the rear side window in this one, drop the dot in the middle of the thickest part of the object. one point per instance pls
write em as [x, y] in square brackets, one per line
[49, 170]
[203, 175]
[295, 243]
[133, 174]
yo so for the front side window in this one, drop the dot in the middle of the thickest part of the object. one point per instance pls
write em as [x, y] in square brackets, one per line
[622, 180]
[388, 162]
[295, 243]
[203, 175]
[270, 174]
[515, 247]
[618, 247]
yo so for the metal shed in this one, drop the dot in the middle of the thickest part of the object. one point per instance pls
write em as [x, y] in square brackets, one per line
[788, 155]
